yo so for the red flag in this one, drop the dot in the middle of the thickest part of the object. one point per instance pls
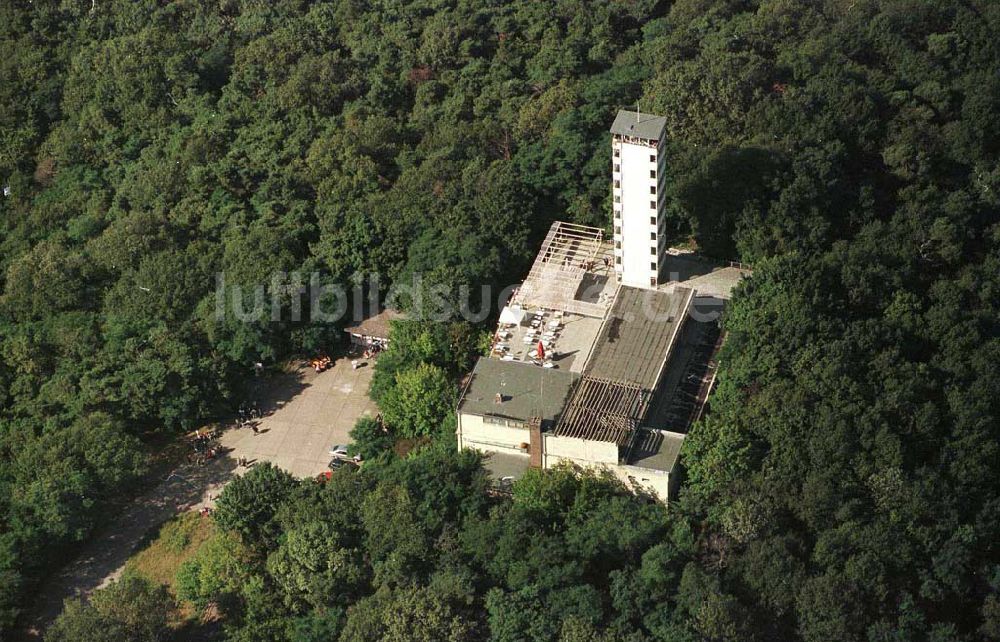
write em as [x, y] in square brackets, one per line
[541, 350]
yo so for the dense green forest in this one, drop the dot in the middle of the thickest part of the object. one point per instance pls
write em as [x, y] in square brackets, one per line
[844, 485]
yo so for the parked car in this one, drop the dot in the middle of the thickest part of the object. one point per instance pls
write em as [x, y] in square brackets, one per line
[337, 463]
[339, 450]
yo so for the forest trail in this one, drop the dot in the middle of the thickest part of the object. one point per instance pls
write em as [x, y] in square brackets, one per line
[103, 557]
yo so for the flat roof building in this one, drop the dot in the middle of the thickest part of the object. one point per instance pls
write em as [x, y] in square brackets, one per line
[605, 355]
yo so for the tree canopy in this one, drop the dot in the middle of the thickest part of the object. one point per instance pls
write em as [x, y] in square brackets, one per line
[841, 486]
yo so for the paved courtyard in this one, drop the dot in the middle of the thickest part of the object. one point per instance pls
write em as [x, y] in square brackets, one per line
[305, 414]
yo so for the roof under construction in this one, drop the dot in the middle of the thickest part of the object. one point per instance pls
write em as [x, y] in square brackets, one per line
[638, 334]
[568, 254]
[625, 365]
[603, 410]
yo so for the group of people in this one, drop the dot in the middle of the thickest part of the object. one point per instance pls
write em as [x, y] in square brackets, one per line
[248, 414]
[204, 448]
[321, 363]
[373, 349]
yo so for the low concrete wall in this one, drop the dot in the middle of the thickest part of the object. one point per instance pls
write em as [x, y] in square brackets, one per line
[657, 482]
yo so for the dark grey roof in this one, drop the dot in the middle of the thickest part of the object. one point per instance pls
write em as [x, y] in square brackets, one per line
[648, 126]
[528, 390]
[656, 449]
[633, 342]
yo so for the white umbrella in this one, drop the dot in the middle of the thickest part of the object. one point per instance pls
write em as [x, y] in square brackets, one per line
[512, 314]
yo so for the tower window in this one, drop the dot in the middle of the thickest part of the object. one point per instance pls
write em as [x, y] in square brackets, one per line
[618, 168]
[652, 280]
[652, 205]
[652, 158]
[652, 189]
[652, 266]
[618, 260]
[652, 220]
[652, 251]
[617, 153]
[652, 236]
[652, 173]
[618, 230]
[618, 199]
[618, 245]
[618, 184]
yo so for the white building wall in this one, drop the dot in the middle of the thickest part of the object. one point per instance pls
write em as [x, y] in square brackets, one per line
[637, 197]
[579, 451]
[487, 437]
[655, 482]
[658, 482]
[474, 432]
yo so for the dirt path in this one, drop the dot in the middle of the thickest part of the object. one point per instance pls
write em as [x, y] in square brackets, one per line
[305, 413]
[105, 554]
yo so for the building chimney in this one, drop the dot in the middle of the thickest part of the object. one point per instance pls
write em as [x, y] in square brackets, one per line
[535, 441]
